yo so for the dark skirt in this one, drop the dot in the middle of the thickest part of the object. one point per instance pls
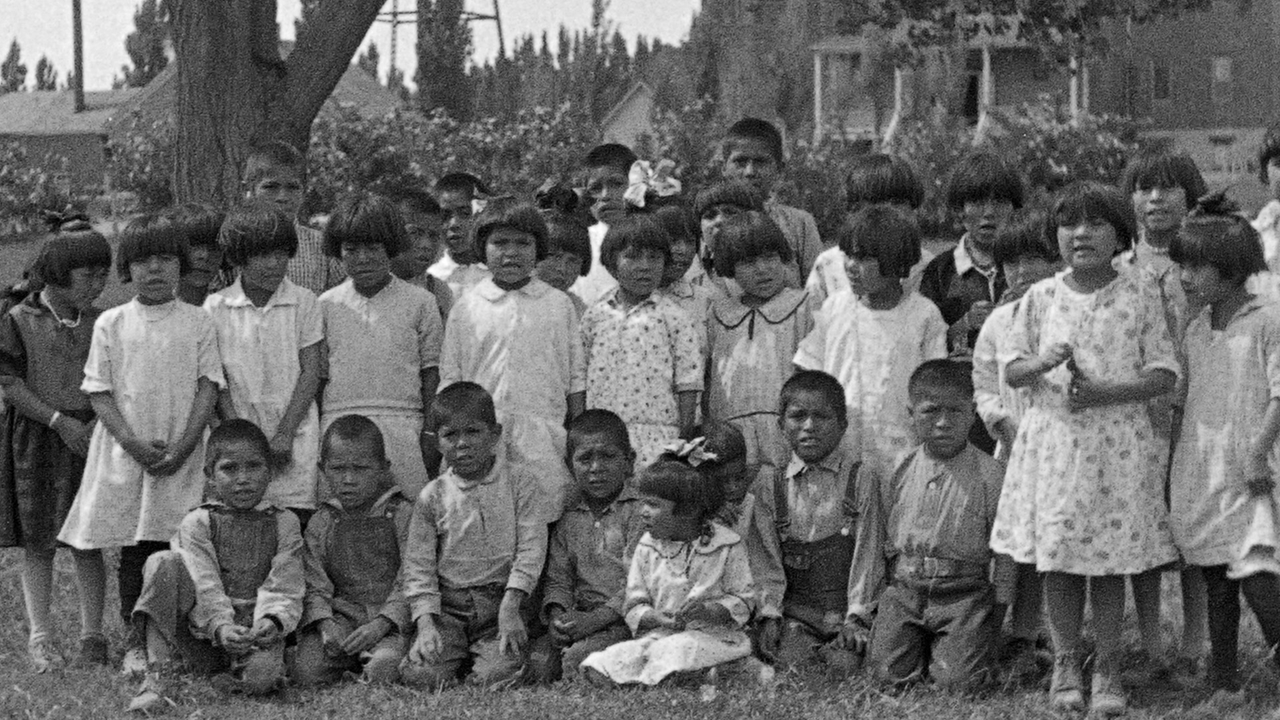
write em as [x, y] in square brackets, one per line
[39, 477]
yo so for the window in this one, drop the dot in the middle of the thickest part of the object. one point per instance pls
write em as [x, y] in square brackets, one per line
[1159, 79]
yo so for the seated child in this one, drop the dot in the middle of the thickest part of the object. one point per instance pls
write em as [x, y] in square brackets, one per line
[477, 542]
[424, 226]
[940, 615]
[591, 549]
[355, 617]
[823, 504]
[199, 225]
[231, 588]
[568, 255]
[461, 196]
[689, 590]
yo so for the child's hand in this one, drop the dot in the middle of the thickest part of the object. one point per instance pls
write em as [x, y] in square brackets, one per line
[366, 636]
[855, 635]
[1053, 356]
[1087, 393]
[705, 614]
[331, 637]
[74, 433]
[561, 625]
[654, 620]
[281, 450]
[512, 634]
[148, 454]
[769, 638]
[427, 645]
[235, 639]
[1258, 474]
[977, 315]
[1005, 432]
[265, 632]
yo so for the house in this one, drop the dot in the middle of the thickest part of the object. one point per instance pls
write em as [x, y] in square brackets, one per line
[46, 124]
[631, 117]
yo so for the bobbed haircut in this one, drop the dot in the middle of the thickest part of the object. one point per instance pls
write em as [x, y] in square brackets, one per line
[74, 244]
[728, 192]
[567, 234]
[365, 219]
[881, 178]
[1149, 170]
[598, 422]
[1268, 151]
[265, 157]
[200, 223]
[637, 231]
[1214, 233]
[942, 375]
[464, 183]
[556, 195]
[753, 128]
[508, 212]
[691, 495]
[149, 235]
[231, 432]
[256, 229]
[819, 383]
[884, 232]
[678, 222]
[983, 176]
[614, 156]
[414, 198]
[1025, 234]
[462, 402]
[725, 440]
[354, 429]
[746, 237]
[1082, 201]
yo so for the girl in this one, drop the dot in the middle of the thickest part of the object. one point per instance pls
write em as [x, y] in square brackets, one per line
[269, 333]
[695, 299]
[1222, 477]
[689, 590]
[517, 337]
[199, 226]
[1083, 498]
[44, 341]
[712, 207]
[753, 337]
[568, 255]
[642, 355]
[152, 377]
[871, 336]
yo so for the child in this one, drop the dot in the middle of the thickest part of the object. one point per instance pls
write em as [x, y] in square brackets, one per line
[1268, 221]
[1084, 498]
[870, 337]
[591, 549]
[355, 617]
[44, 342]
[689, 589]
[276, 173]
[269, 333]
[230, 590]
[200, 224]
[382, 337]
[606, 169]
[462, 195]
[568, 255]
[642, 355]
[714, 206]
[694, 299]
[752, 152]
[152, 377]
[873, 178]
[824, 505]
[940, 614]
[753, 337]
[424, 226]
[966, 283]
[515, 336]
[477, 542]
[1222, 478]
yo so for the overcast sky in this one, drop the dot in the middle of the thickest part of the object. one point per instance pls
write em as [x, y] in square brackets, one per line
[43, 27]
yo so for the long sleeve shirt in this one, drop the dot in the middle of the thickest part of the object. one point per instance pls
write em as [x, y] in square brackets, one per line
[757, 526]
[667, 575]
[801, 232]
[590, 555]
[472, 533]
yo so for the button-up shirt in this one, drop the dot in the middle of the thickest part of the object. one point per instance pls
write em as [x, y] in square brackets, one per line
[590, 555]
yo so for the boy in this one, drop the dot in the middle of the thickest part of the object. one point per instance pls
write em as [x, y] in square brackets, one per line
[940, 615]
[461, 197]
[231, 588]
[200, 225]
[752, 151]
[477, 542]
[424, 226]
[606, 169]
[355, 617]
[276, 173]
[825, 508]
[591, 549]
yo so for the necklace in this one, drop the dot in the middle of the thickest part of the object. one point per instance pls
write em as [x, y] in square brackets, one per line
[44, 300]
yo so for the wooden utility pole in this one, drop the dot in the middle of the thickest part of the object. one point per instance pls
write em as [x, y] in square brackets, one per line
[77, 42]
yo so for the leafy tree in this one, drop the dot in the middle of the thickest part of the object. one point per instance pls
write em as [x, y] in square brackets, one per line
[46, 76]
[444, 45]
[368, 60]
[13, 73]
[146, 45]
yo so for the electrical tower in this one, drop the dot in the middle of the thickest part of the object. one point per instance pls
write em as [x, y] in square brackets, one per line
[396, 17]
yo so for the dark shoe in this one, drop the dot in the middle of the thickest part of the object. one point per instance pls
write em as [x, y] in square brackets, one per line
[93, 651]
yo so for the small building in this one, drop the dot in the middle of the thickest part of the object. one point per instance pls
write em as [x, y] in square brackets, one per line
[45, 124]
[631, 117]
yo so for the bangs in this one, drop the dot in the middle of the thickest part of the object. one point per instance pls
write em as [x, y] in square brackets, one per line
[364, 219]
[1086, 201]
[682, 485]
[640, 231]
[1165, 170]
[567, 234]
[1026, 234]
[747, 237]
[676, 220]
[67, 251]
[732, 192]
[199, 223]
[147, 236]
[1228, 243]
[880, 178]
[256, 230]
[981, 177]
[886, 233]
[508, 212]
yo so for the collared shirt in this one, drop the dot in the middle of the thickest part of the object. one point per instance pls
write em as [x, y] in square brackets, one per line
[756, 525]
[598, 281]
[750, 351]
[801, 231]
[473, 533]
[695, 300]
[310, 267]
[590, 555]
[954, 283]
[460, 278]
[46, 355]
[829, 277]
[667, 575]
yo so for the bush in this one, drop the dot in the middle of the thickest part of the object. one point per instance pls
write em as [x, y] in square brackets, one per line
[142, 160]
[27, 187]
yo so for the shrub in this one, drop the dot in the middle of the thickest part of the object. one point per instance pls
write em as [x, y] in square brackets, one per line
[27, 187]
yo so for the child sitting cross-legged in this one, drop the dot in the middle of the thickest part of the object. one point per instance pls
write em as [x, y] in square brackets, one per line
[355, 616]
[940, 615]
[231, 588]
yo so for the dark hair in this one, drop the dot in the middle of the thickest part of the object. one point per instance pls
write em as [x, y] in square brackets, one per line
[1086, 200]
[1164, 170]
[465, 400]
[610, 155]
[747, 237]
[945, 374]
[751, 128]
[691, 495]
[555, 195]
[814, 381]
[148, 235]
[255, 229]
[679, 224]
[278, 153]
[983, 176]
[567, 234]
[354, 428]
[1026, 234]
[462, 182]
[728, 192]
[365, 219]
[597, 421]
[237, 430]
[75, 244]
[881, 178]
[639, 231]
[413, 197]
[508, 212]
[1214, 233]
[1268, 151]
[199, 222]
[725, 440]
[884, 232]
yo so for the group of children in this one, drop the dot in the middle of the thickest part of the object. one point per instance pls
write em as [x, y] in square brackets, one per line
[681, 437]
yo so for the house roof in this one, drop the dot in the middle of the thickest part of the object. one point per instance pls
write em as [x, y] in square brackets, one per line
[53, 112]
[635, 90]
[871, 36]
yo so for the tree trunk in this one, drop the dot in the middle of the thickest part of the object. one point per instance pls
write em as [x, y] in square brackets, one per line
[233, 88]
